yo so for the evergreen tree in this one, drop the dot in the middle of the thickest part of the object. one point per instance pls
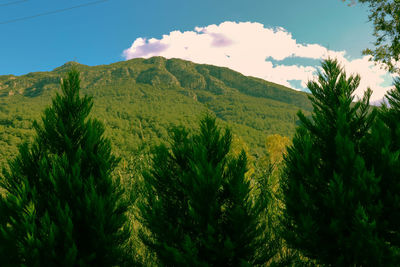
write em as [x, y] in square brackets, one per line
[382, 153]
[330, 194]
[61, 206]
[197, 209]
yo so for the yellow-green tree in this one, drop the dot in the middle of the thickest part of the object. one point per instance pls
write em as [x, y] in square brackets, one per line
[238, 145]
[276, 145]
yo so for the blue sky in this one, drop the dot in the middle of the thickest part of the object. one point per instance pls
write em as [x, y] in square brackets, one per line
[99, 34]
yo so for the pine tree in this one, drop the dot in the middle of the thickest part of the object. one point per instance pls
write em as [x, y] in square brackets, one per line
[197, 209]
[390, 184]
[382, 153]
[62, 205]
[330, 194]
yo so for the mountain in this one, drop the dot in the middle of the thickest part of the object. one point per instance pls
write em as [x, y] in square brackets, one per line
[139, 99]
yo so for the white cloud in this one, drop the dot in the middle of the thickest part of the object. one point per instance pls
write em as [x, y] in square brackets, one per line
[250, 48]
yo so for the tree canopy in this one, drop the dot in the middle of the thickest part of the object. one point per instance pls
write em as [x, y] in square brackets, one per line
[61, 206]
[331, 195]
[385, 15]
[197, 208]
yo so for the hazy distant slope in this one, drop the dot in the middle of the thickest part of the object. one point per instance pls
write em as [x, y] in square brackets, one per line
[139, 99]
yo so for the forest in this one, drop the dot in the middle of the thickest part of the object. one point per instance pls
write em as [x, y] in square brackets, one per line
[163, 162]
[328, 196]
[138, 100]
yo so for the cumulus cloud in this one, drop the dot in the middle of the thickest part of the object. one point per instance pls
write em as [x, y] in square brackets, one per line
[251, 48]
[143, 48]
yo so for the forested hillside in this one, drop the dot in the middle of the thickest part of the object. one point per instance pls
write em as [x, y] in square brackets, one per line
[331, 200]
[138, 100]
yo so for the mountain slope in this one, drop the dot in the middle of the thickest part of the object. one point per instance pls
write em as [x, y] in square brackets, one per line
[140, 99]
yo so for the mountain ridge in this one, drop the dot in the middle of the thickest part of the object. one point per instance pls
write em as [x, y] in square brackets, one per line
[139, 99]
[161, 71]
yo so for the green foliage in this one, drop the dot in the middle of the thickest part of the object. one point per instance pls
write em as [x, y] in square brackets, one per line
[61, 206]
[330, 194]
[382, 153]
[384, 14]
[196, 207]
[138, 100]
